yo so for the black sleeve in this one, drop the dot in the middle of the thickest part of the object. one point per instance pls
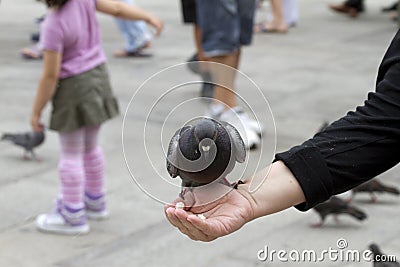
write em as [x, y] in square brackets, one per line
[355, 148]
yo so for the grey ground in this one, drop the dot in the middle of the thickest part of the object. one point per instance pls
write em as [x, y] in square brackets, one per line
[317, 72]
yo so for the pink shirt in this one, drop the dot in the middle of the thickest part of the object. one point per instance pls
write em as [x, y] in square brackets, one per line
[73, 31]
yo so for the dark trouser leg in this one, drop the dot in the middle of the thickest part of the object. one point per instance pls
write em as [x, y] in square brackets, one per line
[357, 4]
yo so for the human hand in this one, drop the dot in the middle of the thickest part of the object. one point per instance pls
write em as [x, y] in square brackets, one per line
[35, 123]
[156, 23]
[222, 216]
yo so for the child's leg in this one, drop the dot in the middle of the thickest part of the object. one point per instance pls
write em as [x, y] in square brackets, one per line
[94, 171]
[93, 163]
[70, 217]
[71, 169]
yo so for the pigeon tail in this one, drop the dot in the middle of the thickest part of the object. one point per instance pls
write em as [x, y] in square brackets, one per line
[392, 190]
[356, 213]
[7, 137]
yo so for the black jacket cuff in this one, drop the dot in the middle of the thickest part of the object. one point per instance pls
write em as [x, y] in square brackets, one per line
[310, 169]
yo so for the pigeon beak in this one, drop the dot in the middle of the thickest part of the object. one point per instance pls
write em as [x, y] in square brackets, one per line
[205, 148]
[206, 154]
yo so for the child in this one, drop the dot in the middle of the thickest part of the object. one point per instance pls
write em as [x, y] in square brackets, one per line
[75, 77]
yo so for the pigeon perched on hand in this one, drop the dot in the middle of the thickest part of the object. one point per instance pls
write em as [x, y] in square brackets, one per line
[27, 140]
[374, 186]
[204, 152]
[380, 259]
[337, 206]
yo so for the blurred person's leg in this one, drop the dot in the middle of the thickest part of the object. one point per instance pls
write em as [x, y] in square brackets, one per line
[276, 23]
[225, 26]
[349, 7]
[136, 35]
[290, 12]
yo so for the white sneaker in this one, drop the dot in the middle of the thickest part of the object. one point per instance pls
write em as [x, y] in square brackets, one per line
[97, 215]
[56, 224]
[252, 124]
[95, 207]
[215, 111]
[240, 121]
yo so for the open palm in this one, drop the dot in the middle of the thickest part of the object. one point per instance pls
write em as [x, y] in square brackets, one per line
[223, 217]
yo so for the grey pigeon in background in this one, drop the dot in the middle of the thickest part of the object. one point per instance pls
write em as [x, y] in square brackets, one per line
[323, 126]
[204, 152]
[380, 259]
[337, 206]
[27, 140]
[374, 186]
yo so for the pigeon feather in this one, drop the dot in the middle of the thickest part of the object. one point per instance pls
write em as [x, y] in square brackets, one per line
[26, 140]
[204, 152]
[337, 206]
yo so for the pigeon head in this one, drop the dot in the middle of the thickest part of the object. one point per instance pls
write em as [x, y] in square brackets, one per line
[375, 249]
[203, 152]
[205, 133]
[208, 150]
[205, 128]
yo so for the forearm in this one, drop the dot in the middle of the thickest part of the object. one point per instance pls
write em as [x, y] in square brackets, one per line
[133, 13]
[278, 191]
[353, 149]
[129, 12]
[45, 91]
[123, 10]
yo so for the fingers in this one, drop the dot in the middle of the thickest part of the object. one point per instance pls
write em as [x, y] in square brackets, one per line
[157, 24]
[175, 221]
[35, 123]
[202, 226]
[193, 232]
[159, 28]
[185, 202]
[180, 219]
[36, 126]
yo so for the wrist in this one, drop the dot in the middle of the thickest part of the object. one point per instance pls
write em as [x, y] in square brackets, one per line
[251, 212]
[149, 19]
[279, 190]
[36, 113]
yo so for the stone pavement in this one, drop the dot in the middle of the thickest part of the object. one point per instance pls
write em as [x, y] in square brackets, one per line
[320, 70]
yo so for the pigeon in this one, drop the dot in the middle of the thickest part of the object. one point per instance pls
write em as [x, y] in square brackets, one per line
[27, 140]
[336, 206]
[204, 152]
[323, 126]
[374, 186]
[380, 259]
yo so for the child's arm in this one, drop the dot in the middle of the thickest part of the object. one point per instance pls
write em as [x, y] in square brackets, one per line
[47, 86]
[126, 11]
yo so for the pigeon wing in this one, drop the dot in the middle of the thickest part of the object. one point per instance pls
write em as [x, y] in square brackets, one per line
[172, 152]
[37, 138]
[237, 142]
[21, 139]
